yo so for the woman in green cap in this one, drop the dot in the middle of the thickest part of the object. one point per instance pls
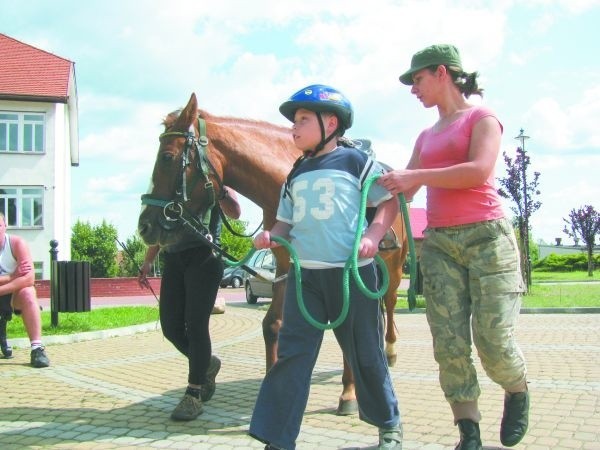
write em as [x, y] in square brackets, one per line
[469, 259]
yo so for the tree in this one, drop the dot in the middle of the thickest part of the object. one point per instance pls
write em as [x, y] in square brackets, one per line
[516, 188]
[96, 244]
[132, 256]
[236, 246]
[584, 224]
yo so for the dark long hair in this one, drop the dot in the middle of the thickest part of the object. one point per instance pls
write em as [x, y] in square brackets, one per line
[464, 81]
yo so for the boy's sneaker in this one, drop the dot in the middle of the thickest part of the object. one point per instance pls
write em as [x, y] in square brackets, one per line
[39, 358]
[188, 409]
[208, 389]
[390, 438]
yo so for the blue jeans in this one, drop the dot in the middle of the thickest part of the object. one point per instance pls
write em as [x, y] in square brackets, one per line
[284, 391]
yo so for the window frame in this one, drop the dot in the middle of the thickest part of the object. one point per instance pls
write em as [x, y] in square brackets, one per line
[31, 129]
[20, 201]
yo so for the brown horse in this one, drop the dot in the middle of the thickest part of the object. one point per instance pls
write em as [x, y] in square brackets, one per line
[254, 158]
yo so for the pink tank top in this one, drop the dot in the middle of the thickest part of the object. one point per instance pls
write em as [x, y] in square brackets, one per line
[450, 207]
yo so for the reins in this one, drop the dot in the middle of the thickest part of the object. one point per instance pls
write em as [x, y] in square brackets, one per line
[197, 146]
[352, 268]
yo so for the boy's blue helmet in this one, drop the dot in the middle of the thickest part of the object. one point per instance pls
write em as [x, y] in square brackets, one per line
[320, 98]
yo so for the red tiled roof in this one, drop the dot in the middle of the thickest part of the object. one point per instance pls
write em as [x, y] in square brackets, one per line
[30, 72]
[418, 222]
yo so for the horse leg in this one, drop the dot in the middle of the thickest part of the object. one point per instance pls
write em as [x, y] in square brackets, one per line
[347, 404]
[272, 323]
[390, 299]
[394, 260]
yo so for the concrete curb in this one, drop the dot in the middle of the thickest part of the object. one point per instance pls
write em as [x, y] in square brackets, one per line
[88, 335]
[590, 310]
[152, 326]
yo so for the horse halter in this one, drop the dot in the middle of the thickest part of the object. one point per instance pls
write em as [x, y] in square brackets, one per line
[174, 209]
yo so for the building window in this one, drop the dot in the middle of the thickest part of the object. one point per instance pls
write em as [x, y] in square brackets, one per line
[22, 206]
[22, 132]
[38, 267]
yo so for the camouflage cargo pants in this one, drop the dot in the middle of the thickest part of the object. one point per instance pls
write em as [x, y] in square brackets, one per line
[472, 281]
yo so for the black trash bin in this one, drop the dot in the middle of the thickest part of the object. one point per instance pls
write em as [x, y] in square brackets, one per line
[70, 286]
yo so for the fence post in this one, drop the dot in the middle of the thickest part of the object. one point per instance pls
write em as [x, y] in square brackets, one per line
[53, 301]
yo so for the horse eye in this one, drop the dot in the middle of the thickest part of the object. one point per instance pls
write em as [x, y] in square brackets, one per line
[167, 157]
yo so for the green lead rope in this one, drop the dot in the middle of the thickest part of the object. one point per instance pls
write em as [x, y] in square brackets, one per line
[351, 266]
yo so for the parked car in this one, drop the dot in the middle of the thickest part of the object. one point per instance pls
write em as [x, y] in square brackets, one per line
[263, 262]
[233, 276]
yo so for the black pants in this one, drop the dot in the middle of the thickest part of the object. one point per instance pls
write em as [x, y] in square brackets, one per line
[188, 292]
[6, 310]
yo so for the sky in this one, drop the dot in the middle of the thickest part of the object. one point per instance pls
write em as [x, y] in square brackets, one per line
[137, 60]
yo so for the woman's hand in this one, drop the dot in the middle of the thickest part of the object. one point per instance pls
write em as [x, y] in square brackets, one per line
[399, 181]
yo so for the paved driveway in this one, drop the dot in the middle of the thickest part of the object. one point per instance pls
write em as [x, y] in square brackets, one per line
[118, 392]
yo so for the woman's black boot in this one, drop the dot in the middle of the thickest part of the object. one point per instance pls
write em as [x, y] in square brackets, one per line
[469, 435]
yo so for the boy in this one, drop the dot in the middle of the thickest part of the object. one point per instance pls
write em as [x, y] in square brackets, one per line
[318, 213]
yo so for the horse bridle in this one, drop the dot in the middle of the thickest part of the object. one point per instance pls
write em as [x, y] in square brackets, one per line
[174, 209]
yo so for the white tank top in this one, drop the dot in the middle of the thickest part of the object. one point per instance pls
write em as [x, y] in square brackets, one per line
[8, 263]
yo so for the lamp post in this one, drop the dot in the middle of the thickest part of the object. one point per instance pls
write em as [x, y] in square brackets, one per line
[525, 238]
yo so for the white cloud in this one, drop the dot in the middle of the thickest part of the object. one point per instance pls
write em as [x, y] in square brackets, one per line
[565, 127]
[243, 58]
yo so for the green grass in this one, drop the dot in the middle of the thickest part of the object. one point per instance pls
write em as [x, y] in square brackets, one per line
[94, 320]
[579, 276]
[560, 294]
[548, 290]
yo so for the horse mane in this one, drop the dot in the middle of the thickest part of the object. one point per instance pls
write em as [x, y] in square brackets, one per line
[244, 122]
[171, 117]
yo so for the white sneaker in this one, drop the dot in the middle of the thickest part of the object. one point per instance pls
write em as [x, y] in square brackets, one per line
[390, 438]
[219, 307]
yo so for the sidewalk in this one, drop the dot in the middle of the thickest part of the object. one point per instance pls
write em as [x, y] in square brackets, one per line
[117, 392]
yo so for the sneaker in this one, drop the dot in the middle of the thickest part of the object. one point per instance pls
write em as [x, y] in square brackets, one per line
[39, 358]
[470, 438]
[5, 348]
[208, 389]
[515, 419]
[219, 307]
[390, 438]
[188, 409]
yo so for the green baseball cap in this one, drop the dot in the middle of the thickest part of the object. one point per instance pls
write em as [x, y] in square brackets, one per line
[434, 55]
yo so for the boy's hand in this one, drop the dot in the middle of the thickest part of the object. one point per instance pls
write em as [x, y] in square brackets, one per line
[367, 248]
[263, 240]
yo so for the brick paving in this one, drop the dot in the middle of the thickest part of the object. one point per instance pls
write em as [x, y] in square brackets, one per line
[117, 390]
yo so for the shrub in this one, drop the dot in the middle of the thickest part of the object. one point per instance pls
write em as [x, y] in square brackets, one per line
[565, 263]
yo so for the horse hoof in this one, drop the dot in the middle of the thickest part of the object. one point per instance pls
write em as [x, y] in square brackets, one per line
[347, 407]
[392, 360]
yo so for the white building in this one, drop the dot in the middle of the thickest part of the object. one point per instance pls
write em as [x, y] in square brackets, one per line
[38, 146]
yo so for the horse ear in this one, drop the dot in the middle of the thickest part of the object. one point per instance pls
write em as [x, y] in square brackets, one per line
[189, 114]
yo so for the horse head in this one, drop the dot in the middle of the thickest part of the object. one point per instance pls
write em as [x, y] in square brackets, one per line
[184, 181]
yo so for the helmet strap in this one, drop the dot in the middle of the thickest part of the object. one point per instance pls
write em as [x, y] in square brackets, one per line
[324, 140]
